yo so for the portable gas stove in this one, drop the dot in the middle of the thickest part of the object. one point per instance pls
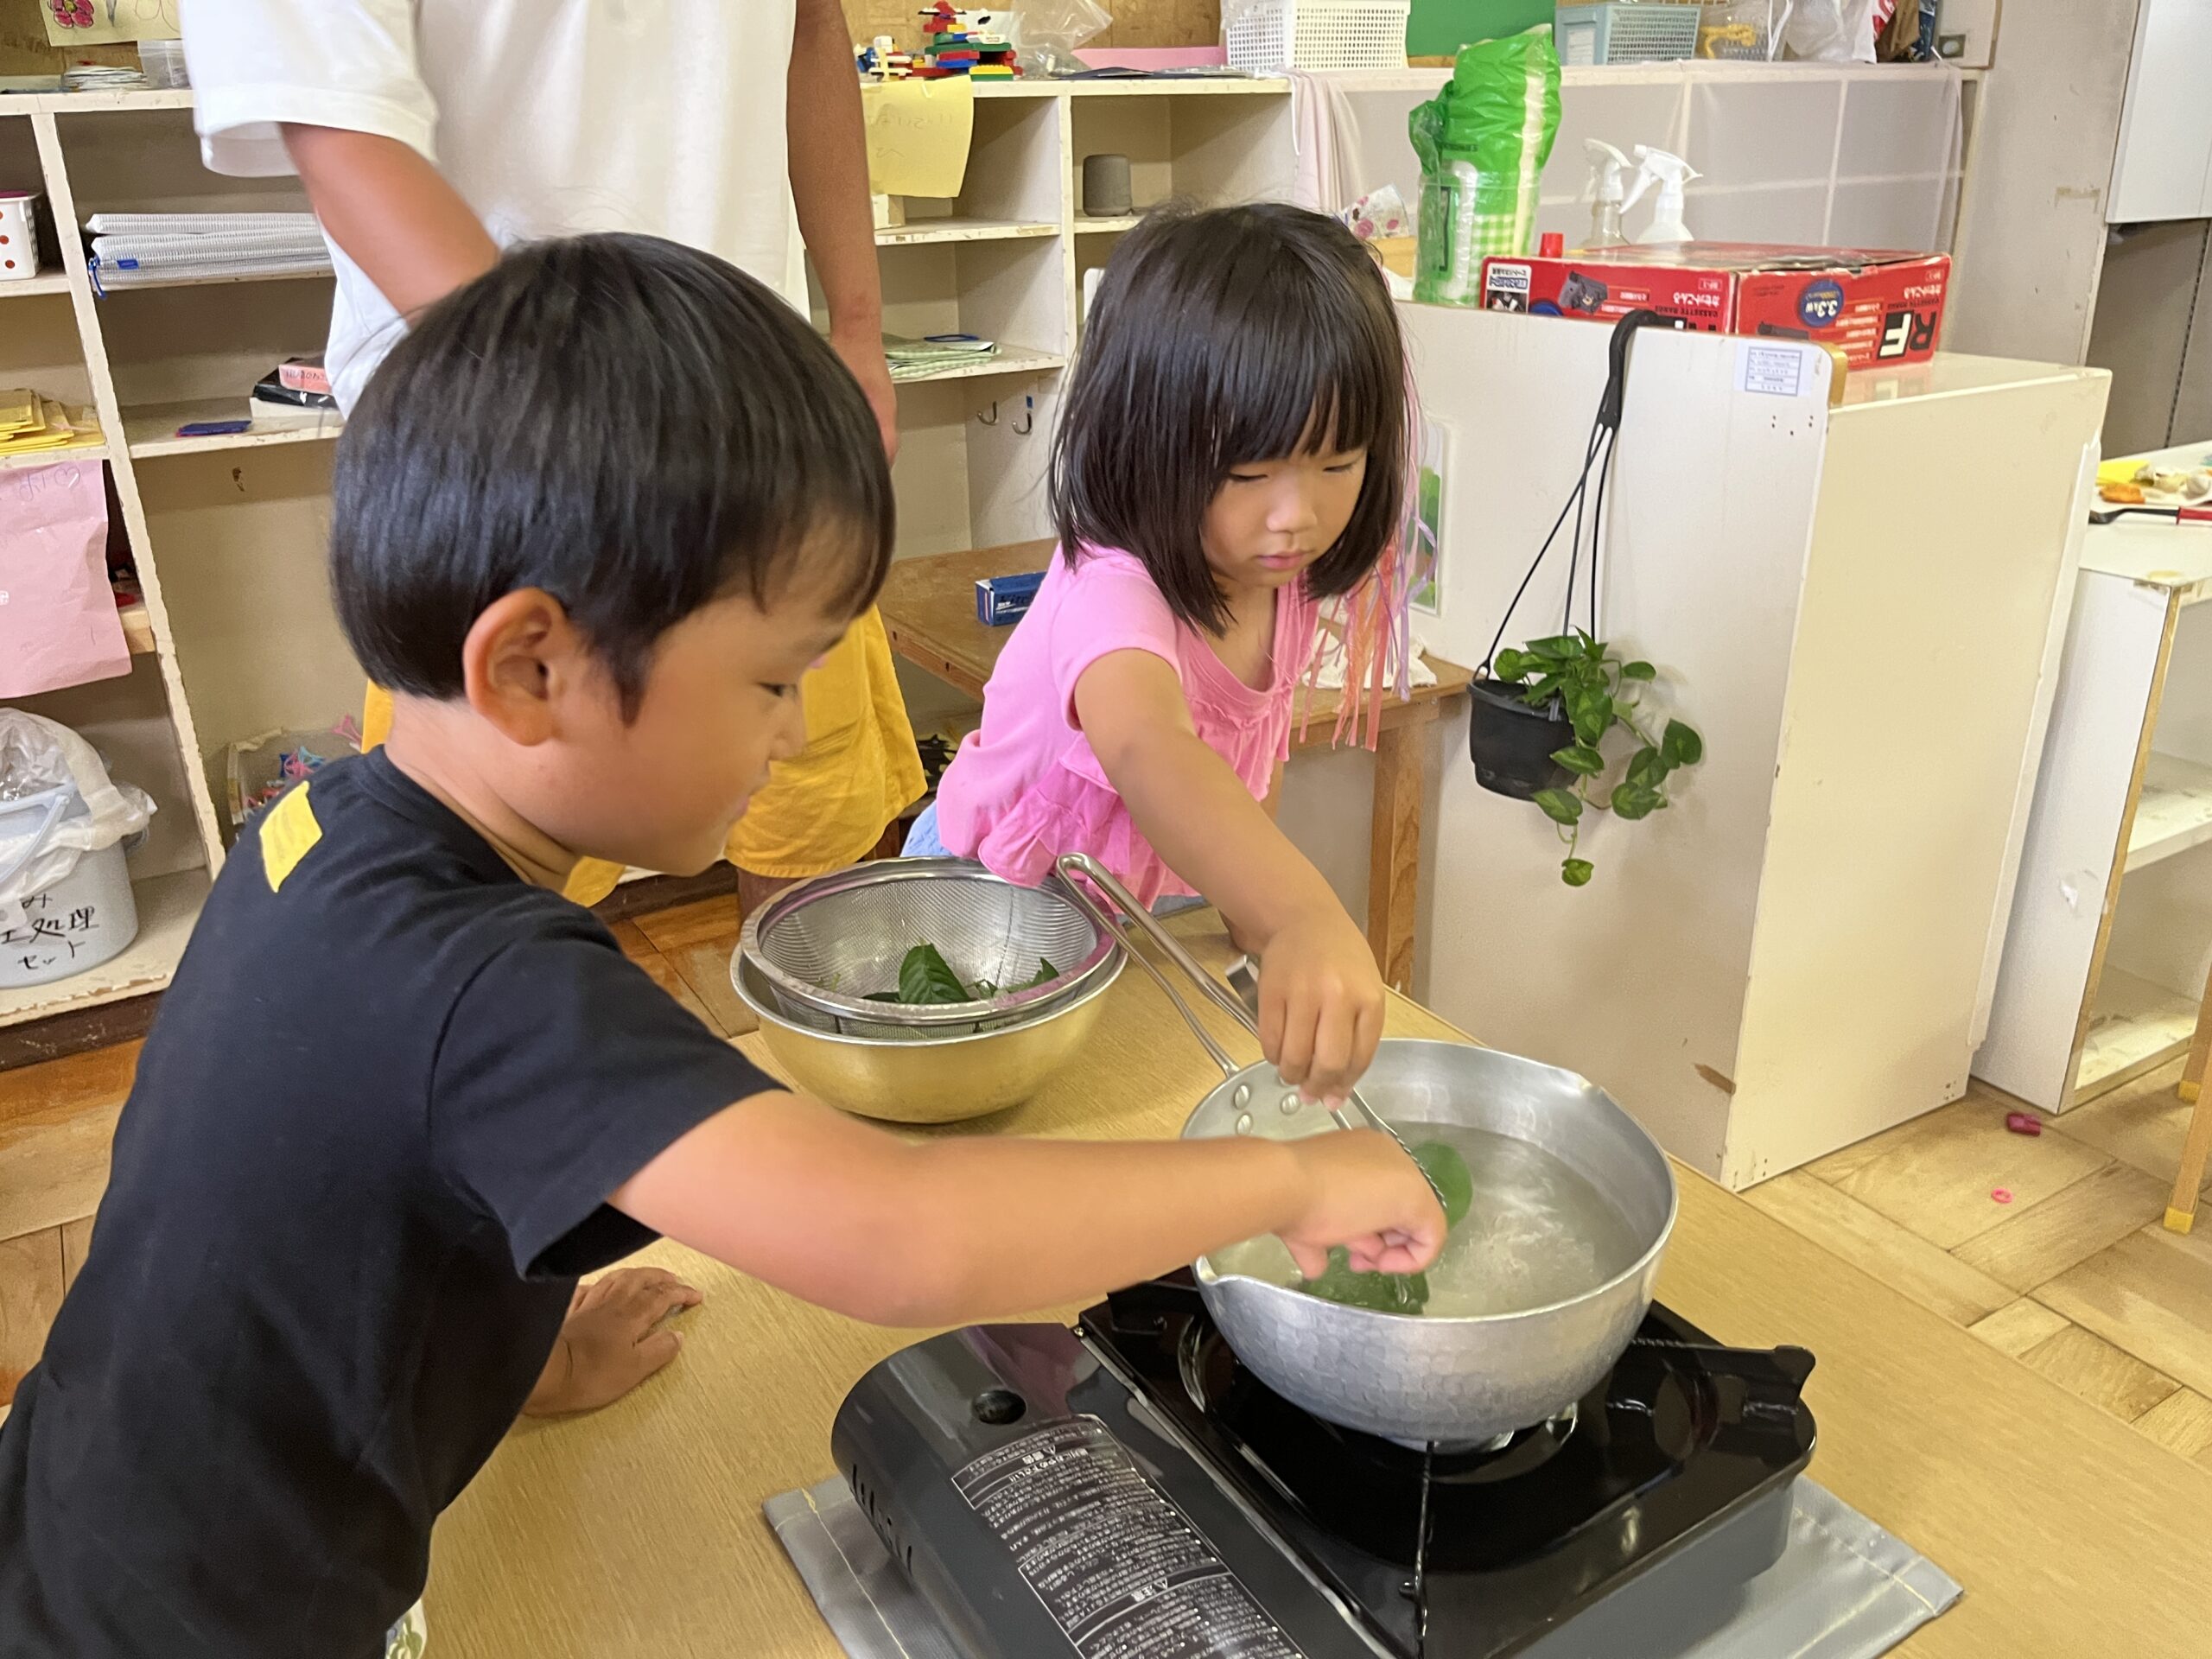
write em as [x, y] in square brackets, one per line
[1128, 1490]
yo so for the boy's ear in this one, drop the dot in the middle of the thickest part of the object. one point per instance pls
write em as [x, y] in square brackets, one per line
[521, 660]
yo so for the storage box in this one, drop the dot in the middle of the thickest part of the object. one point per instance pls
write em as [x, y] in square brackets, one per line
[1876, 307]
[1265, 37]
[1001, 600]
[1624, 31]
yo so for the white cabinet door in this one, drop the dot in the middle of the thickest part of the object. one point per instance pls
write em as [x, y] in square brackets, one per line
[2164, 169]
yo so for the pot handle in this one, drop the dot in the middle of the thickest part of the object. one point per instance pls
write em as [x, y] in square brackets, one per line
[1076, 869]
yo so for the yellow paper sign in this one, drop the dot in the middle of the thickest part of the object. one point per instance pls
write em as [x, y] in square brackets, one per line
[918, 135]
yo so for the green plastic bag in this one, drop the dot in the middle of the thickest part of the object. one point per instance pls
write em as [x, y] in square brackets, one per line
[1483, 142]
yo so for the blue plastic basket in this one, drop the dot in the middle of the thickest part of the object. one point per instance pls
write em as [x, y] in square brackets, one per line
[1624, 31]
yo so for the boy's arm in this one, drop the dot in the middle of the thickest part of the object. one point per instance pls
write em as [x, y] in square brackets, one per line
[393, 213]
[1321, 1007]
[828, 148]
[939, 1232]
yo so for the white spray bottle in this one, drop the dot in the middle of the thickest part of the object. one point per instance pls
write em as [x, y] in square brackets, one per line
[1606, 166]
[1670, 172]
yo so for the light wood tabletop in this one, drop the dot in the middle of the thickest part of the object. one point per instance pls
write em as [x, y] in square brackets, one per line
[637, 1530]
[928, 612]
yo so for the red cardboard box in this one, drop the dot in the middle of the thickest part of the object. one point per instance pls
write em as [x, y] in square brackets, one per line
[1877, 306]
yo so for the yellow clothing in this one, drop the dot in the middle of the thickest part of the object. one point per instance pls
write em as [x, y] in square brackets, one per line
[827, 807]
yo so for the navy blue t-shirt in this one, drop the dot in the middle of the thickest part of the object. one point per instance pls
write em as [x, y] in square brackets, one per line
[367, 1155]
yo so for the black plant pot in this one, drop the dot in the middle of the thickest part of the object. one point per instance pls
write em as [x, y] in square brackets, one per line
[1511, 744]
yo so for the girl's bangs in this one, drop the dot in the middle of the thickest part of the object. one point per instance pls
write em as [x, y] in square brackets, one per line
[1306, 380]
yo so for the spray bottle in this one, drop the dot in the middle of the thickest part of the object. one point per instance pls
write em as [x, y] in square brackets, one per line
[1670, 172]
[1606, 166]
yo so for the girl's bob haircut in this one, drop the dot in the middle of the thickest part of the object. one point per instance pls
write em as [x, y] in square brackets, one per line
[1218, 339]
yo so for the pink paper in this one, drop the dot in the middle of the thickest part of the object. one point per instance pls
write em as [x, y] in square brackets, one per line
[58, 625]
[1152, 57]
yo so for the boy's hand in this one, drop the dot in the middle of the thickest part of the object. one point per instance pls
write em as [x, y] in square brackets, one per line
[612, 1340]
[1369, 1197]
[1321, 1002]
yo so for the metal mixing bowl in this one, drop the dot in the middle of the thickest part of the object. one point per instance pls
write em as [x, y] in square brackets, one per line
[924, 1076]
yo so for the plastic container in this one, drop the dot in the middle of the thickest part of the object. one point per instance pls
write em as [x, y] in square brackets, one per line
[86, 917]
[1264, 37]
[1740, 31]
[1625, 31]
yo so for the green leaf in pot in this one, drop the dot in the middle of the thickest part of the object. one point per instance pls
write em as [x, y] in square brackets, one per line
[1558, 805]
[1380, 1293]
[1576, 872]
[1680, 745]
[1448, 1173]
[1581, 760]
[925, 978]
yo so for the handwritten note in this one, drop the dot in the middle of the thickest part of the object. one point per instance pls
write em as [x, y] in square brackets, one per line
[918, 136]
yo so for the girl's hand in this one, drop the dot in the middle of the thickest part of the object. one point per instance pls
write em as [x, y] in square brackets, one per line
[1369, 1197]
[1321, 1002]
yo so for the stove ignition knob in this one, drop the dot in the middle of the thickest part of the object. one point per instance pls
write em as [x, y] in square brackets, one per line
[999, 1407]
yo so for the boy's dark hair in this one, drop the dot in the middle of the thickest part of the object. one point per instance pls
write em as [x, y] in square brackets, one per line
[1220, 338]
[636, 428]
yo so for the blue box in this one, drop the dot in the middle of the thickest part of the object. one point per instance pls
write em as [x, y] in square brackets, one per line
[1002, 599]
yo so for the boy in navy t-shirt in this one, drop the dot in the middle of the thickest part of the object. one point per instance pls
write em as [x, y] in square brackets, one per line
[594, 518]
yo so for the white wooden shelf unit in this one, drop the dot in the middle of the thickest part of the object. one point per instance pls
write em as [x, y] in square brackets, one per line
[2111, 936]
[235, 636]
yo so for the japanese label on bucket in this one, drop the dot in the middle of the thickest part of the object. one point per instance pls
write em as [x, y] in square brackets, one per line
[1116, 1565]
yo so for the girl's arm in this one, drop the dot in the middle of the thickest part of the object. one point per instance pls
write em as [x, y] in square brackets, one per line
[855, 1219]
[1321, 998]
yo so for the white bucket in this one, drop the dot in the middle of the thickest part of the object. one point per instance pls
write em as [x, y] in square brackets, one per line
[86, 917]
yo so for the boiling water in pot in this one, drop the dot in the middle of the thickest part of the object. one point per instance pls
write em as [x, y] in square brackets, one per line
[1536, 1233]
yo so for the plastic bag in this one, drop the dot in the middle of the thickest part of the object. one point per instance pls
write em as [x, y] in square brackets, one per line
[1052, 29]
[1483, 142]
[37, 848]
[1831, 31]
[57, 625]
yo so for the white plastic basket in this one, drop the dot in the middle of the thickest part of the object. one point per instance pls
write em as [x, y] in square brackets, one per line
[1264, 37]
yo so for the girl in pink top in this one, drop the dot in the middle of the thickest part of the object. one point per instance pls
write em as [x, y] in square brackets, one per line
[1232, 453]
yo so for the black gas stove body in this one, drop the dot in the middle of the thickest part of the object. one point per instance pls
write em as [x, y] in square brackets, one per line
[1128, 1490]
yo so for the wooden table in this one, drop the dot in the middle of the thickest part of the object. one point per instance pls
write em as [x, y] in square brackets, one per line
[929, 610]
[637, 1530]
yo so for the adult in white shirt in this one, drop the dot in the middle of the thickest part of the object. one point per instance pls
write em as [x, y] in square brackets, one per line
[429, 133]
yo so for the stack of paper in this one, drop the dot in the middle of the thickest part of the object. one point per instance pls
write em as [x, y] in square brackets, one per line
[914, 360]
[146, 250]
[29, 423]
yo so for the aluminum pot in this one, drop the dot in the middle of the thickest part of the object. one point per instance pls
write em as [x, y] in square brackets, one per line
[923, 1077]
[1420, 1379]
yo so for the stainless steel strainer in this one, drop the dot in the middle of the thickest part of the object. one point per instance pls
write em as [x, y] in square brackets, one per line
[820, 948]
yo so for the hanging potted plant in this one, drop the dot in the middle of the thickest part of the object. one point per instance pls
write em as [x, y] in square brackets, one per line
[1542, 715]
[1581, 680]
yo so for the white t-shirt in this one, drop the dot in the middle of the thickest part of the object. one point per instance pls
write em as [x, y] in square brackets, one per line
[550, 118]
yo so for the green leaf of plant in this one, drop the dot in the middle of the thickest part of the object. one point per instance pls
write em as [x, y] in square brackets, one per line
[1583, 761]
[1633, 801]
[1680, 746]
[1557, 648]
[1575, 871]
[1448, 1174]
[1638, 672]
[1593, 649]
[1543, 691]
[1559, 805]
[925, 978]
[1512, 666]
[1647, 767]
[1045, 975]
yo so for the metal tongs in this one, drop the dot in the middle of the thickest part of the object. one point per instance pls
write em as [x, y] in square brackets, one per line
[1076, 868]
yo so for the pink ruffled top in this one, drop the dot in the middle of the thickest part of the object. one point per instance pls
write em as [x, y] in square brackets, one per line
[1027, 787]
